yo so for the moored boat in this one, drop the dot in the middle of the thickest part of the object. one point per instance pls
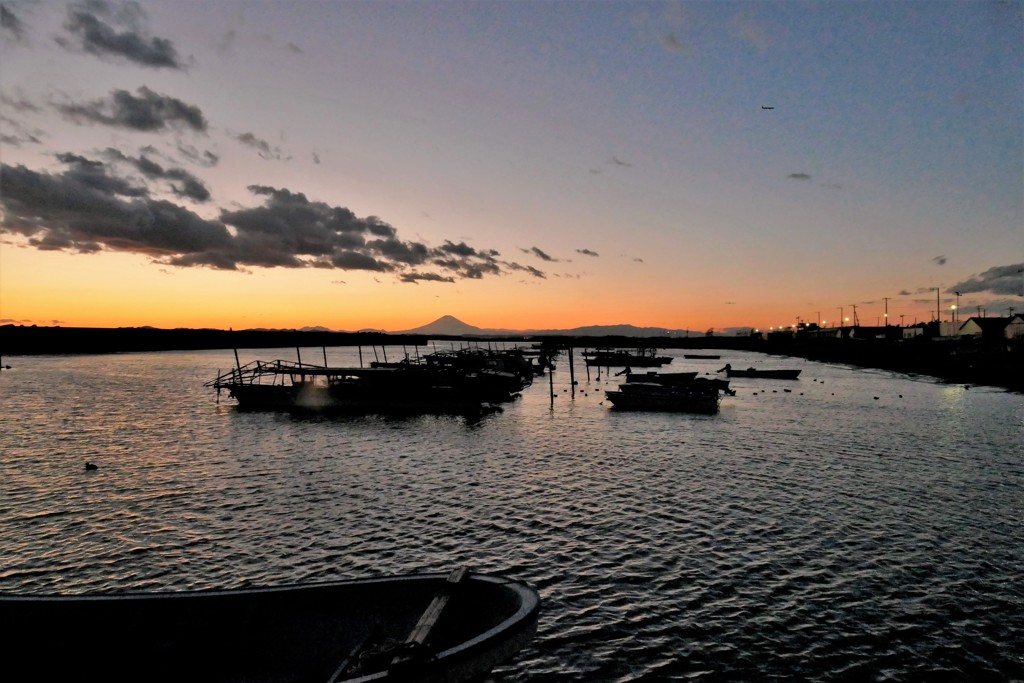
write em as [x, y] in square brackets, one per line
[681, 379]
[417, 628]
[401, 388]
[641, 358]
[663, 397]
[764, 374]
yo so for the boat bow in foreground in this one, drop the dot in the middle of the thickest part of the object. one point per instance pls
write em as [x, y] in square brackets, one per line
[423, 628]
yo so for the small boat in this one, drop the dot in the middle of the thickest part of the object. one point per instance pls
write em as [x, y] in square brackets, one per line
[641, 358]
[662, 377]
[680, 379]
[698, 356]
[668, 398]
[422, 628]
[764, 374]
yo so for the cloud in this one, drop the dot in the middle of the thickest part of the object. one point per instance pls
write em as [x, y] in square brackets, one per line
[11, 25]
[87, 209]
[940, 260]
[262, 147]
[188, 186]
[527, 269]
[799, 176]
[997, 280]
[205, 158]
[539, 253]
[114, 31]
[587, 252]
[149, 111]
[431, 277]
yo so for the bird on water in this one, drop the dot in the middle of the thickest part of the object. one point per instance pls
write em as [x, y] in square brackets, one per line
[91, 466]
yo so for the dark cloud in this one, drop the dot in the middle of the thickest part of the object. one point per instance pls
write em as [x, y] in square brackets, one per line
[11, 25]
[94, 175]
[460, 249]
[541, 255]
[109, 30]
[183, 183]
[799, 176]
[353, 260]
[16, 132]
[940, 260]
[201, 158]
[262, 147]
[16, 135]
[88, 209]
[998, 280]
[527, 269]
[429, 277]
[149, 111]
[587, 252]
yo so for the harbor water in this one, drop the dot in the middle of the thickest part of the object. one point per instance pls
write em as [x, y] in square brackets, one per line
[852, 525]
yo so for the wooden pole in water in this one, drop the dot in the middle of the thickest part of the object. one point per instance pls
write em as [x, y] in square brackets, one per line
[586, 365]
[551, 385]
[325, 356]
[572, 374]
[298, 355]
[360, 355]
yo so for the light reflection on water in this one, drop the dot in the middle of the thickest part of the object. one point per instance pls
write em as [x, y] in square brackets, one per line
[858, 525]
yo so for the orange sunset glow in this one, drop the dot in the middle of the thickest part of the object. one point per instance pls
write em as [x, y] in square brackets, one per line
[324, 164]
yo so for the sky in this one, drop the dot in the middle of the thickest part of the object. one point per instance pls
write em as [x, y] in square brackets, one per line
[515, 164]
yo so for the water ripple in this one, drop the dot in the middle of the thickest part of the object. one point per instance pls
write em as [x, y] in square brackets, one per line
[817, 534]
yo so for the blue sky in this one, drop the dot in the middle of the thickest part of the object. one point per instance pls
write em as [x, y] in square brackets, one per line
[515, 164]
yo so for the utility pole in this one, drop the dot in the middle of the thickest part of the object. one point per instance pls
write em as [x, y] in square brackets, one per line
[886, 310]
[856, 320]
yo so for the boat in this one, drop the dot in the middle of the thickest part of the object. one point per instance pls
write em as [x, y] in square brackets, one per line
[419, 628]
[698, 356]
[641, 358]
[763, 374]
[663, 397]
[385, 388]
[681, 379]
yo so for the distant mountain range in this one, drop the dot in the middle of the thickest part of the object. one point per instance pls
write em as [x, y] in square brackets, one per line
[451, 326]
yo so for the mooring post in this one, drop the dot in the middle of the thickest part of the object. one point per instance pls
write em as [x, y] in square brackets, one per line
[551, 383]
[572, 374]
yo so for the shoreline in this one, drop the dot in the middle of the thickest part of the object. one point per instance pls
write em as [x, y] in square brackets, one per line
[965, 361]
